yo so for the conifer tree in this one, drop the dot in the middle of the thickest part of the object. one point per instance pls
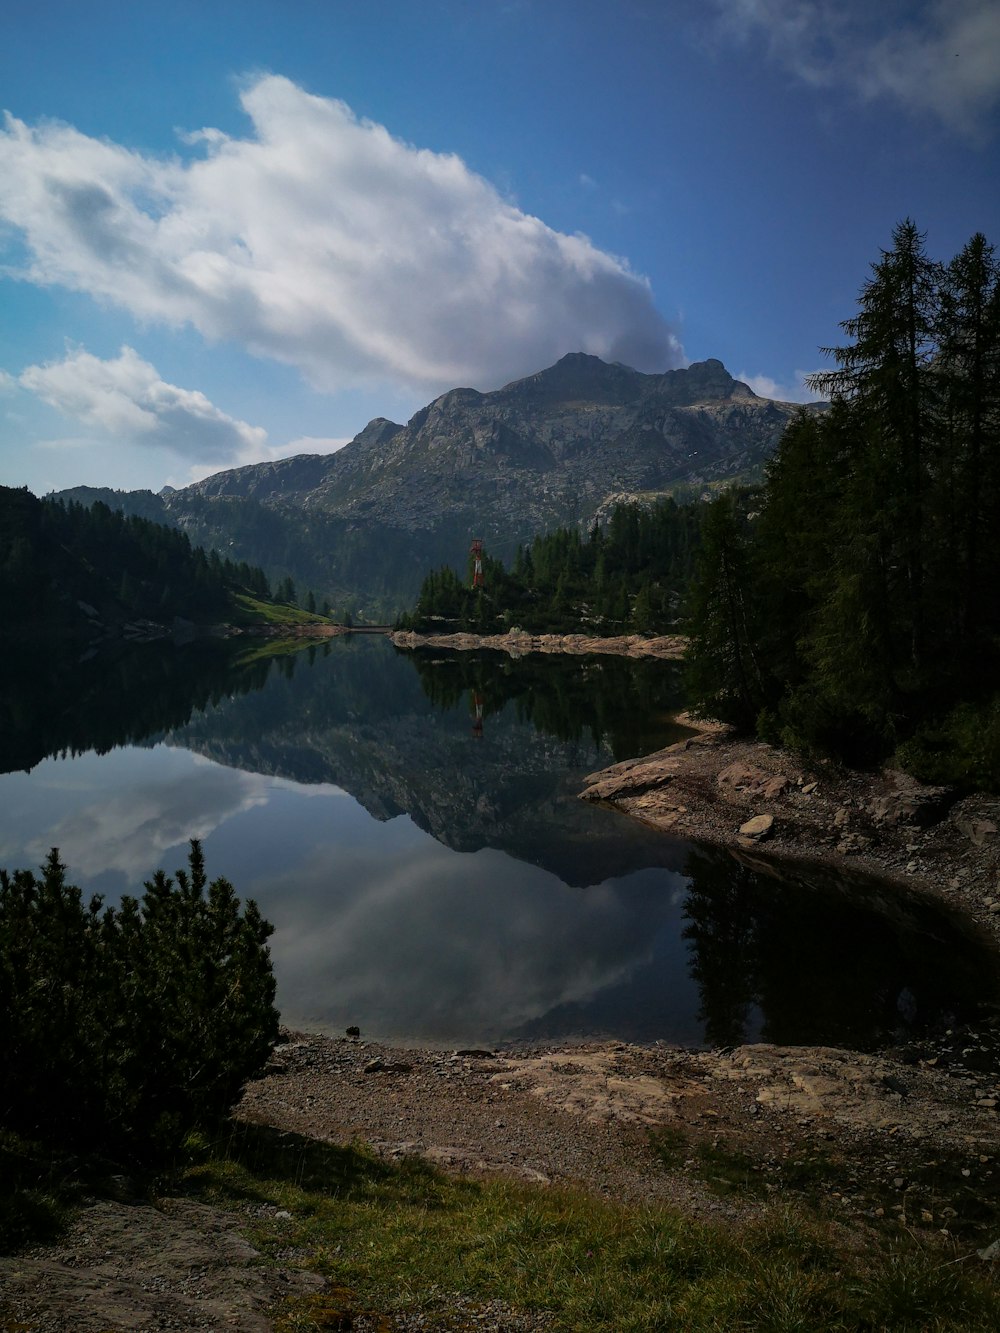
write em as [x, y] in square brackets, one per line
[723, 673]
[884, 375]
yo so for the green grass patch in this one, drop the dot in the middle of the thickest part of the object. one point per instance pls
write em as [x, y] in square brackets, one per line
[393, 1237]
[729, 1171]
[249, 610]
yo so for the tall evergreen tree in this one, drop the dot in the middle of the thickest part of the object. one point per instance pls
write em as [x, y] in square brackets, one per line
[876, 527]
[723, 671]
[883, 374]
[967, 372]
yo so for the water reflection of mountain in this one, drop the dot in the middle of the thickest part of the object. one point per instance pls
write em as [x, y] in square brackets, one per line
[378, 920]
[406, 741]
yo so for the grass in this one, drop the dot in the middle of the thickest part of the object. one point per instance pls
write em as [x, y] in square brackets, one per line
[730, 1171]
[390, 1237]
[959, 1190]
[252, 611]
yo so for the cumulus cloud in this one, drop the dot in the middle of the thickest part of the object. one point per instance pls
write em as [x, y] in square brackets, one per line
[936, 56]
[322, 241]
[125, 399]
[796, 392]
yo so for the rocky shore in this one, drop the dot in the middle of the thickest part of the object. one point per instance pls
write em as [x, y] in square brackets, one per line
[518, 643]
[765, 803]
[905, 1139]
[593, 1116]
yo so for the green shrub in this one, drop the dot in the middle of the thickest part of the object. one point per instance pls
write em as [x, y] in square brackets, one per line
[960, 750]
[127, 1027]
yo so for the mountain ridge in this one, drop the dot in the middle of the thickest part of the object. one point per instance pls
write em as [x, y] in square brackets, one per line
[555, 448]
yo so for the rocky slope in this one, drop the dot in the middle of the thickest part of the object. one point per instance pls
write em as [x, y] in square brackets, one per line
[548, 449]
[559, 447]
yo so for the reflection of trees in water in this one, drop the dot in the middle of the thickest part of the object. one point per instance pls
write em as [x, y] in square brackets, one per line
[722, 932]
[615, 701]
[53, 704]
[824, 958]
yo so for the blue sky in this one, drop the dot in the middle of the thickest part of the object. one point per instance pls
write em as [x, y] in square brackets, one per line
[234, 231]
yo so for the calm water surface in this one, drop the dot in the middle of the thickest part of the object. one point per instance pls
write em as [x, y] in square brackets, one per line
[411, 826]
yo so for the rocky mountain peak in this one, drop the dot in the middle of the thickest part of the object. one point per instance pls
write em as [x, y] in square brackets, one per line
[553, 448]
[578, 377]
[702, 381]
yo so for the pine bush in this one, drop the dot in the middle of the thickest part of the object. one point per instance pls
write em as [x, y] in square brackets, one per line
[128, 1027]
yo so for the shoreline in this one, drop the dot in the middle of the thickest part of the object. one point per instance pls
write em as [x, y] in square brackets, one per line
[896, 1143]
[518, 643]
[767, 806]
[708, 786]
[589, 1116]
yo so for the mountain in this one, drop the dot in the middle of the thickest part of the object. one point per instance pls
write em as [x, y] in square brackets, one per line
[559, 447]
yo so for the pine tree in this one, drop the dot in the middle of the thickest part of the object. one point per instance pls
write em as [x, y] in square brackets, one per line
[884, 376]
[967, 371]
[722, 669]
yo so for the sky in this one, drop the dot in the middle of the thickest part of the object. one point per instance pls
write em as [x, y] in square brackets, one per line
[235, 231]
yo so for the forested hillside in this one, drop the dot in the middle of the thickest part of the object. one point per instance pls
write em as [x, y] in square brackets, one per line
[63, 565]
[628, 576]
[856, 610]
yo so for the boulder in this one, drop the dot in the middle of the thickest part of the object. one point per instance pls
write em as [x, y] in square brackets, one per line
[908, 802]
[759, 827]
[978, 830]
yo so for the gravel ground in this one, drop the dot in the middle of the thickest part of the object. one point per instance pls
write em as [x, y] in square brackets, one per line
[909, 1136]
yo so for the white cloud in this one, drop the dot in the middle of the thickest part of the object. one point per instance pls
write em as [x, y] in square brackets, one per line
[8, 384]
[766, 387]
[322, 241]
[125, 400]
[936, 56]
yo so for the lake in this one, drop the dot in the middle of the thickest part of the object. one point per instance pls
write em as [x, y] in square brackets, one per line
[410, 823]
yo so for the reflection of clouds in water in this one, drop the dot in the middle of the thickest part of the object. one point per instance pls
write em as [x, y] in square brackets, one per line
[377, 923]
[130, 827]
[418, 942]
